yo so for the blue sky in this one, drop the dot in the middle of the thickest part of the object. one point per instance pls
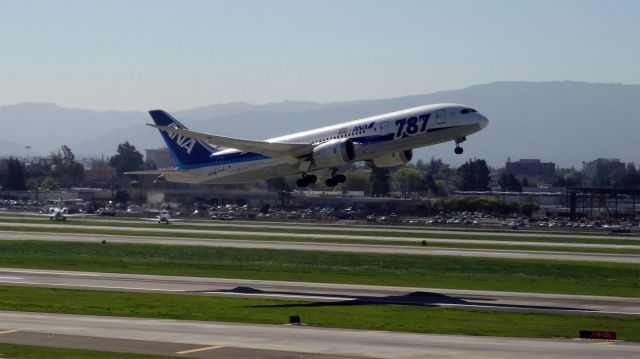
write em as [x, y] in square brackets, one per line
[137, 55]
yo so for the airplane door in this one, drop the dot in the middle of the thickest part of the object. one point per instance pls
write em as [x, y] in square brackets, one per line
[384, 127]
[440, 117]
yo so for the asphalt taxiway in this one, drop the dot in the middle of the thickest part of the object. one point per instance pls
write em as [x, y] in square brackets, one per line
[318, 246]
[302, 339]
[351, 230]
[336, 294]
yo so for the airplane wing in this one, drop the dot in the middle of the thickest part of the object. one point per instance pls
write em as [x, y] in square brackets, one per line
[287, 151]
[37, 214]
[53, 215]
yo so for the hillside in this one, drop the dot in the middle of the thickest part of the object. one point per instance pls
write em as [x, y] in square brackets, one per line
[564, 122]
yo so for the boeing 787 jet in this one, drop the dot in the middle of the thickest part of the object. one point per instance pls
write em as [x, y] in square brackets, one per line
[386, 140]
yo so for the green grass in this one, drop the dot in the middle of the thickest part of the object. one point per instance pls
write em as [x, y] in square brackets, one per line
[371, 317]
[371, 233]
[37, 352]
[546, 276]
[410, 243]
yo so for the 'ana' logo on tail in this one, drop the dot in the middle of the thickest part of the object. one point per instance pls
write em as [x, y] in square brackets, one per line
[184, 142]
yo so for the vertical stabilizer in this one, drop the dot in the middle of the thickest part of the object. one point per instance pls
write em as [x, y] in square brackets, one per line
[186, 151]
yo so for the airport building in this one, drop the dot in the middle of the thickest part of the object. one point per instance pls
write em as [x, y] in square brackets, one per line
[602, 170]
[533, 170]
[160, 156]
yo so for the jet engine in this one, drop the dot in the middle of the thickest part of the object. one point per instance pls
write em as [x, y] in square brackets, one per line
[333, 153]
[393, 159]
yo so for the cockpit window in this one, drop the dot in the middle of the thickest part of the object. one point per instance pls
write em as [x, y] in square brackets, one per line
[467, 110]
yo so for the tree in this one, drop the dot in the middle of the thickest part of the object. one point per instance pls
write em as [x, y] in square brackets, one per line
[65, 169]
[436, 168]
[357, 181]
[101, 174]
[508, 182]
[571, 178]
[473, 176]
[278, 184]
[630, 179]
[409, 179]
[528, 208]
[379, 180]
[13, 175]
[127, 159]
[49, 183]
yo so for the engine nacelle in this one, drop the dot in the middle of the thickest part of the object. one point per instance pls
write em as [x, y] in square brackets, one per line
[393, 159]
[333, 153]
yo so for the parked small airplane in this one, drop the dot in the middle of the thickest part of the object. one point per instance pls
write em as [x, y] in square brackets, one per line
[163, 216]
[61, 213]
[386, 140]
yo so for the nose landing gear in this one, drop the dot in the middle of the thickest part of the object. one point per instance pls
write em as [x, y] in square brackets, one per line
[458, 150]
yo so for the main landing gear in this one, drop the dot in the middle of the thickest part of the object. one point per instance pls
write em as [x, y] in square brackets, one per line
[458, 150]
[335, 180]
[306, 180]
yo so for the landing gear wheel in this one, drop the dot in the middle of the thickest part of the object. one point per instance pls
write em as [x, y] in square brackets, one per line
[340, 178]
[458, 150]
[311, 179]
[331, 182]
[301, 182]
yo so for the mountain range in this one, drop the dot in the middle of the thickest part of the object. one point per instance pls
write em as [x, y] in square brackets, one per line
[563, 122]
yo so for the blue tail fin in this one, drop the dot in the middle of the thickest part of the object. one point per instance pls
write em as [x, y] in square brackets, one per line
[186, 151]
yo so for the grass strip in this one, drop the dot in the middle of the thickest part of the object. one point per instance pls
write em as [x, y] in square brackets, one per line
[409, 243]
[335, 315]
[38, 352]
[372, 233]
[545, 276]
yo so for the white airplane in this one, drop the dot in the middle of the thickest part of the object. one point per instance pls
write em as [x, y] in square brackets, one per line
[60, 213]
[163, 216]
[386, 140]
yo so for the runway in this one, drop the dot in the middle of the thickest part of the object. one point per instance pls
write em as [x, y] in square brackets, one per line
[315, 246]
[346, 237]
[329, 292]
[296, 339]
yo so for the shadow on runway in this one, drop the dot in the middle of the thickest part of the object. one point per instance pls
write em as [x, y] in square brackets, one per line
[425, 299]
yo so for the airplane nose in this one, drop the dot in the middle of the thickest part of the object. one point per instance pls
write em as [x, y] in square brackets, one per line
[483, 122]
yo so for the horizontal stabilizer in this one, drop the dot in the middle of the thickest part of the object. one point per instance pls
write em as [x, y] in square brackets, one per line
[156, 172]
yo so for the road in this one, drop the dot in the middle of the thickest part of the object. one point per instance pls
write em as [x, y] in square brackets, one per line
[314, 246]
[355, 343]
[328, 292]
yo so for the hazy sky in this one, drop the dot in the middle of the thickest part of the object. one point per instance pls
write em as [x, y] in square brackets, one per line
[137, 55]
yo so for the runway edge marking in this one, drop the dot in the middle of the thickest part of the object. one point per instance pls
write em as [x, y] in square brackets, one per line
[212, 347]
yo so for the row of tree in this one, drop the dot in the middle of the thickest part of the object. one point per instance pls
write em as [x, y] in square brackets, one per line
[62, 170]
[421, 179]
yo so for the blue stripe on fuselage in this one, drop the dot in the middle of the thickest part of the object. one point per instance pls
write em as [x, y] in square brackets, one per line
[239, 157]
